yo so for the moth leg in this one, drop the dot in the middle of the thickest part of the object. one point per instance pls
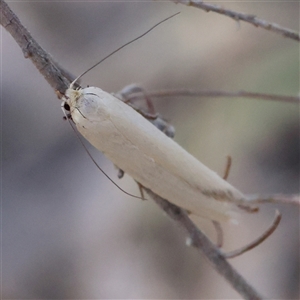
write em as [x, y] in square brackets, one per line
[259, 240]
[227, 168]
[220, 234]
[225, 176]
[121, 173]
[141, 190]
[217, 225]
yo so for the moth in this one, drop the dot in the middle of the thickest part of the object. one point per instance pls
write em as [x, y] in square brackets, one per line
[149, 156]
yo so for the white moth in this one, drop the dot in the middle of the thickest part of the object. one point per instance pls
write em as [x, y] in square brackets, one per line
[153, 159]
[145, 153]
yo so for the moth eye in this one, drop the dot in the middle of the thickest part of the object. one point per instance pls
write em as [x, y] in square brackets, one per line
[67, 106]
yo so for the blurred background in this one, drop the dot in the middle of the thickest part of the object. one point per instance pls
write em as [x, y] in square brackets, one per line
[67, 232]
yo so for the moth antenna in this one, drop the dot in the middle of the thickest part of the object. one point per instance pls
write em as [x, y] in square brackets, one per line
[128, 43]
[99, 168]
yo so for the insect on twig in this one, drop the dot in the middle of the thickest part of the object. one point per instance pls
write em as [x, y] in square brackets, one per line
[125, 134]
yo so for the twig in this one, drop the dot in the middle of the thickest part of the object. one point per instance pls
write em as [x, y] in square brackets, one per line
[215, 94]
[206, 247]
[258, 241]
[237, 16]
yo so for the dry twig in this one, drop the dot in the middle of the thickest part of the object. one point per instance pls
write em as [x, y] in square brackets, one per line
[206, 247]
[214, 94]
[237, 16]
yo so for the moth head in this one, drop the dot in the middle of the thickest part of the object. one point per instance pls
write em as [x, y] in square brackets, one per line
[72, 95]
[70, 99]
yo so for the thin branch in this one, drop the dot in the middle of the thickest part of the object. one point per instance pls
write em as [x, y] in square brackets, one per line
[237, 16]
[53, 73]
[215, 94]
[206, 247]
[258, 241]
